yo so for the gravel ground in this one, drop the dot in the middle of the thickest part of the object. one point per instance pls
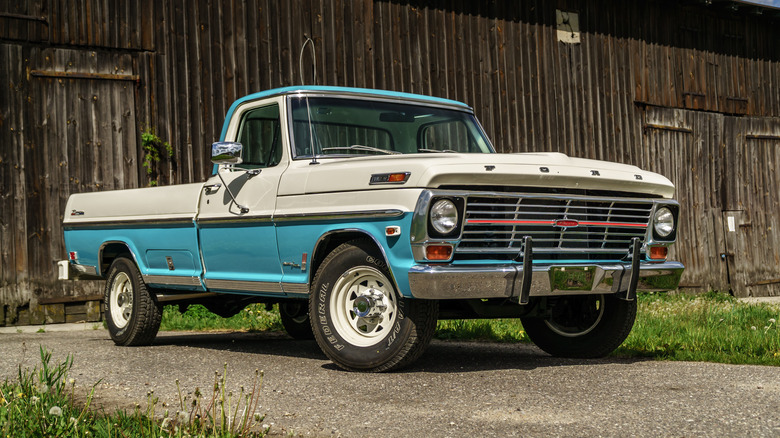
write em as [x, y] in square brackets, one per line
[456, 389]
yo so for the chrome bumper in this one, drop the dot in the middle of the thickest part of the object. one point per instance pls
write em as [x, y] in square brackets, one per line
[505, 280]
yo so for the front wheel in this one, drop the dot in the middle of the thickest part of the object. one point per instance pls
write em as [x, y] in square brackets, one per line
[360, 320]
[132, 315]
[583, 326]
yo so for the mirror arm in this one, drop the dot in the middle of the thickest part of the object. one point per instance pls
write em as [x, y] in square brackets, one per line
[233, 197]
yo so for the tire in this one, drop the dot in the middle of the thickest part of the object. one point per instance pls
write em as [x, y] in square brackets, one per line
[583, 326]
[132, 315]
[295, 319]
[393, 332]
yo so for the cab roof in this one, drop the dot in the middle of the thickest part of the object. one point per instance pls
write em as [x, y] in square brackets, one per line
[344, 91]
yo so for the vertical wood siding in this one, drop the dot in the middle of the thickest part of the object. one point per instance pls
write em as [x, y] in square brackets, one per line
[686, 89]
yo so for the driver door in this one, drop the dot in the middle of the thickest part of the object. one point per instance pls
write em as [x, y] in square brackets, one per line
[237, 235]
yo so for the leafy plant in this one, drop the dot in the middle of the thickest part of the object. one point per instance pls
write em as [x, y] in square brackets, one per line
[153, 147]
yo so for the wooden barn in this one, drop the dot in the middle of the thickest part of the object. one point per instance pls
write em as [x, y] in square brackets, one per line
[687, 88]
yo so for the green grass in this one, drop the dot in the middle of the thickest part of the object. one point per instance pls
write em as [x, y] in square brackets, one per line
[253, 318]
[712, 327]
[41, 402]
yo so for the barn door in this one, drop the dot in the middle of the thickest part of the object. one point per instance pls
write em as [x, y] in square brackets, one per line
[81, 137]
[683, 146]
[752, 211]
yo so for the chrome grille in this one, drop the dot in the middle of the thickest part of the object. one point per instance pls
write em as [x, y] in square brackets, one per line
[562, 227]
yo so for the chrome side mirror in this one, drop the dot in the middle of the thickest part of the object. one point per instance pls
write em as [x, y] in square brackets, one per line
[226, 152]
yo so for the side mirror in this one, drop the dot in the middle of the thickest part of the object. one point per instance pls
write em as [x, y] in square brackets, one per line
[226, 152]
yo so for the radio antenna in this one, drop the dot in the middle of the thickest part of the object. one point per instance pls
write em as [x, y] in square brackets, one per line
[314, 60]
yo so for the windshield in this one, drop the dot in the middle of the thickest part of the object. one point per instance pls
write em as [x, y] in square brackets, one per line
[337, 126]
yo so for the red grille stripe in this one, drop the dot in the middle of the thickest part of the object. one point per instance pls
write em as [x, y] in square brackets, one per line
[520, 222]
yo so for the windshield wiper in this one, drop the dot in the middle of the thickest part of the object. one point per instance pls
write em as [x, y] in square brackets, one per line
[437, 150]
[360, 147]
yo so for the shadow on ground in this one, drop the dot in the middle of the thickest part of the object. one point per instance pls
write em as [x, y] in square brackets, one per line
[440, 357]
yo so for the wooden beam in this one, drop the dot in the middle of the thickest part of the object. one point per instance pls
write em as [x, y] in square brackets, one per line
[77, 299]
[80, 75]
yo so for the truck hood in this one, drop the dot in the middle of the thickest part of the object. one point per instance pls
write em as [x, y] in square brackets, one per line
[446, 169]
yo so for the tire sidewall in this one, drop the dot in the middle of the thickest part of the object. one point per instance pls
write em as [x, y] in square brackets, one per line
[121, 335]
[333, 344]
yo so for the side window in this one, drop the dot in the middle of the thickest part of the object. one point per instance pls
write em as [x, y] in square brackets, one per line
[448, 136]
[260, 134]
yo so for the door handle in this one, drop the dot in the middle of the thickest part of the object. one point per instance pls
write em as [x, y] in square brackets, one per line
[211, 188]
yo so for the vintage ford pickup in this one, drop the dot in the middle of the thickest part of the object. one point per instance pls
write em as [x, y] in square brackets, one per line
[368, 215]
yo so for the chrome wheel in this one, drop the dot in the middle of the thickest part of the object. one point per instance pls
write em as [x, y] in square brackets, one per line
[580, 317]
[121, 300]
[363, 306]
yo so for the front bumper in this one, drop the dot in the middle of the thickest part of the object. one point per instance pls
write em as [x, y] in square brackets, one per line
[506, 280]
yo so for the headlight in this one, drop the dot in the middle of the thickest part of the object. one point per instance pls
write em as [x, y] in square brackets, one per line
[444, 216]
[663, 222]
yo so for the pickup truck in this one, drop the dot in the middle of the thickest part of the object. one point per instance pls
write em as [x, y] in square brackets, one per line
[368, 215]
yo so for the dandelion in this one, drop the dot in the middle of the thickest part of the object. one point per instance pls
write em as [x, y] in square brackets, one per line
[71, 381]
[752, 327]
[74, 421]
[182, 416]
[56, 411]
[43, 389]
[34, 399]
[772, 320]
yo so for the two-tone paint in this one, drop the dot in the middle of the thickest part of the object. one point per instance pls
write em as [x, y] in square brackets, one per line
[194, 237]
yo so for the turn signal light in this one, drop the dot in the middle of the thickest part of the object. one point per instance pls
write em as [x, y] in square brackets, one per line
[438, 252]
[658, 252]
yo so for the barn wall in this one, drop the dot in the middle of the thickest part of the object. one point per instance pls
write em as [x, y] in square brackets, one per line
[687, 89]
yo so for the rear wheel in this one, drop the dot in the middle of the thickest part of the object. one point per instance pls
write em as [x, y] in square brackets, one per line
[583, 326]
[295, 319]
[361, 322]
[132, 315]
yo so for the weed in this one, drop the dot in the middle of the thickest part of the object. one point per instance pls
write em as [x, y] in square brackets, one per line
[41, 403]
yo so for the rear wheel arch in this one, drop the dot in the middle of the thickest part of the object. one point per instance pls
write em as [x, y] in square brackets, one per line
[110, 251]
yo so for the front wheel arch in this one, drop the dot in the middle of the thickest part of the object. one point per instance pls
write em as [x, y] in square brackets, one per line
[333, 239]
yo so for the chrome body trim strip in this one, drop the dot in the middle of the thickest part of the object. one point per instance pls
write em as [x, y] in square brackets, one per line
[237, 220]
[295, 288]
[368, 214]
[167, 297]
[173, 280]
[128, 223]
[245, 286]
[505, 280]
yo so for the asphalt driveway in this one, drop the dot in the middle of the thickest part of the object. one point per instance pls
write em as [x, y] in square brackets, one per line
[455, 389]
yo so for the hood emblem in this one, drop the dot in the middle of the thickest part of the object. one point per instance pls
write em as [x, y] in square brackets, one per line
[566, 223]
